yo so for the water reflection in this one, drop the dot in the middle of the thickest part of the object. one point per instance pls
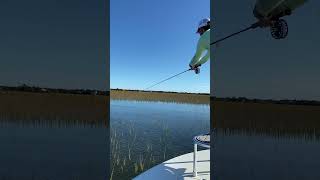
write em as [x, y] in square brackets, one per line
[54, 153]
[54, 137]
[266, 154]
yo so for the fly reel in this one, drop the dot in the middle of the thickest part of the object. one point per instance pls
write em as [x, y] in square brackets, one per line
[279, 29]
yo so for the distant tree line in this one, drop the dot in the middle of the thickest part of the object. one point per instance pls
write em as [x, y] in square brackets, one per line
[27, 88]
[133, 90]
[283, 101]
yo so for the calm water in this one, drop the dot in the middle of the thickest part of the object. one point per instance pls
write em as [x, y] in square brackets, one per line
[144, 134]
[277, 154]
[53, 153]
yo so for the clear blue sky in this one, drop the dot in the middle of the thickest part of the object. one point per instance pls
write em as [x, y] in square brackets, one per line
[151, 40]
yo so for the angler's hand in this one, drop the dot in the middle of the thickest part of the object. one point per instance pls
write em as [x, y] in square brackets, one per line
[194, 67]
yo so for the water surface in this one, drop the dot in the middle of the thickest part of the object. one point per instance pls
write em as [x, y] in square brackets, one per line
[144, 134]
[264, 154]
[47, 153]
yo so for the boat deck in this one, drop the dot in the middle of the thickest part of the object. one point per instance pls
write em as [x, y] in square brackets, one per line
[180, 168]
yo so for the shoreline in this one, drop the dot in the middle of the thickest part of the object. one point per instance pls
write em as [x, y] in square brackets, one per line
[160, 96]
[199, 98]
[19, 106]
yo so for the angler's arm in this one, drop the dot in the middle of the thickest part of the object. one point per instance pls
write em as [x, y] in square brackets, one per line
[204, 59]
[197, 56]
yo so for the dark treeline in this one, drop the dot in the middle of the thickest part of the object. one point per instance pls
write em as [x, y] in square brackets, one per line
[283, 101]
[133, 90]
[27, 88]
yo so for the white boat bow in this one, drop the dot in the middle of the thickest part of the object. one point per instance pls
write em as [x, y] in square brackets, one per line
[180, 168]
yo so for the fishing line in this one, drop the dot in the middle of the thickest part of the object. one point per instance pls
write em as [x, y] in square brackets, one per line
[167, 79]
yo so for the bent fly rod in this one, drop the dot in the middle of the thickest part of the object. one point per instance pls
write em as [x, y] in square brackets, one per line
[167, 79]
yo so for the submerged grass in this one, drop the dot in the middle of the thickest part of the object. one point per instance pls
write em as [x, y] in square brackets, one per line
[130, 155]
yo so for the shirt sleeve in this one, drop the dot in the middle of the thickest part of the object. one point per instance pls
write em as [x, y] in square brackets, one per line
[204, 59]
[198, 54]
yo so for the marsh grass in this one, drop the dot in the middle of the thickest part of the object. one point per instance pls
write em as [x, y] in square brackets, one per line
[53, 109]
[306, 135]
[263, 115]
[160, 96]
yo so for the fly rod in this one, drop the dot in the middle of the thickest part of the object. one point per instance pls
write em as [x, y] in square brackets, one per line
[168, 78]
[253, 26]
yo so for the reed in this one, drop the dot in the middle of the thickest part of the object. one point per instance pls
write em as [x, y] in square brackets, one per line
[263, 115]
[130, 157]
[160, 96]
[307, 135]
[70, 109]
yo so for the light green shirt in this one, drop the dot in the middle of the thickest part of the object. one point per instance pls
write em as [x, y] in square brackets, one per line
[203, 45]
